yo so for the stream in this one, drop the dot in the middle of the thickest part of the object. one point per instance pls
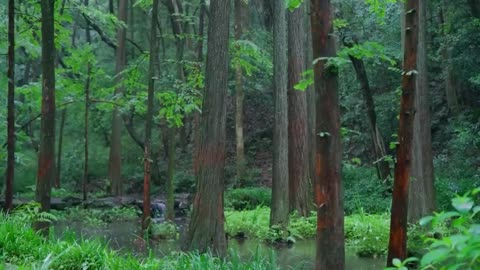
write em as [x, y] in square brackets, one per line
[124, 236]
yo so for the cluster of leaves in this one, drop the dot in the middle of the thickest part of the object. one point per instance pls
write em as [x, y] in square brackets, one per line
[458, 246]
[247, 198]
[98, 217]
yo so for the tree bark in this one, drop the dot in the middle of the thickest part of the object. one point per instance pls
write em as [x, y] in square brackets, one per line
[196, 116]
[397, 247]
[383, 168]
[328, 182]
[46, 160]
[147, 161]
[280, 204]
[86, 116]
[298, 155]
[422, 191]
[58, 177]
[240, 21]
[206, 230]
[10, 172]
[115, 160]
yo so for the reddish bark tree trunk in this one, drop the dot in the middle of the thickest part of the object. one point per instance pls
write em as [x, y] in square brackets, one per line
[10, 172]
[298, 155]
[397, 247]
[149, 118]
[46, 160]
[206, 230]
[328, 186]
[115, 160]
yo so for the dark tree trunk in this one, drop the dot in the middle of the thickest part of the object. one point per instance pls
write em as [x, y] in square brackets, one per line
[115, 160]
[85, 118]
[397, 247]
[311, 111]
[422, 192]
[58, 177]
[206, 230]
[328, 181]
[10, 172]
[298, 155]
[280, 205]
[383, 168]
[46, 160]
[196, 116]
[147, 161]
[240, 21]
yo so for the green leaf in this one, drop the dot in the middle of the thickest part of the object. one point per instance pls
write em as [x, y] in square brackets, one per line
[462, 204]
[396, 262]
[425, 220]
[434, 256]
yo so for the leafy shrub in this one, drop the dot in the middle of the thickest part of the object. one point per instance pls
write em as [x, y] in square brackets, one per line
[364, 192]
[368, 234]
[164, 230]
[247, 198]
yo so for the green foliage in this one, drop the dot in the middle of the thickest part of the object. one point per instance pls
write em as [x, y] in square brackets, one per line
[250, 57]
[97, 217]
[30, 213]
[454, 237]
[368, 234]
[364, 192]
[164, 230]
[22, 248]
[247, 198]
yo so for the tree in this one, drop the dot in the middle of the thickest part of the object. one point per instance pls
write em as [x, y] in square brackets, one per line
[298, 155]
[86, 114]
[422, 192]
[115, 159]
[327, 186]
[280, 205]
[383, 168]
[397, 247]
[10, 172]
[152, 70]
[240, 23]
[206, 230]
[46, 156]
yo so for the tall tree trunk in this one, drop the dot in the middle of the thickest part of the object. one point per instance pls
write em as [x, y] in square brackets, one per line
[115, 160]
[196, 116]
[147, 160]
[328, 181]
[85, 118]
[311, 110]
[10, 172]
[58, 176]
[280, 205]
[46, 160]
[240, 21]
[397, 247]
[422, 192]
[206, 230]
[383, 168]
[298, 165]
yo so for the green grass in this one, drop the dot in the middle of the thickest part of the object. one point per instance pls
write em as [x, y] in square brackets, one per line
[22, 248]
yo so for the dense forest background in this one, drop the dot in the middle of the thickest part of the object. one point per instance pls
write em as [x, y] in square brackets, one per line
[323, 109]
[452, 42]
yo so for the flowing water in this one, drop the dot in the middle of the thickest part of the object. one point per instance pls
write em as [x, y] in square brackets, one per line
[124, 236]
